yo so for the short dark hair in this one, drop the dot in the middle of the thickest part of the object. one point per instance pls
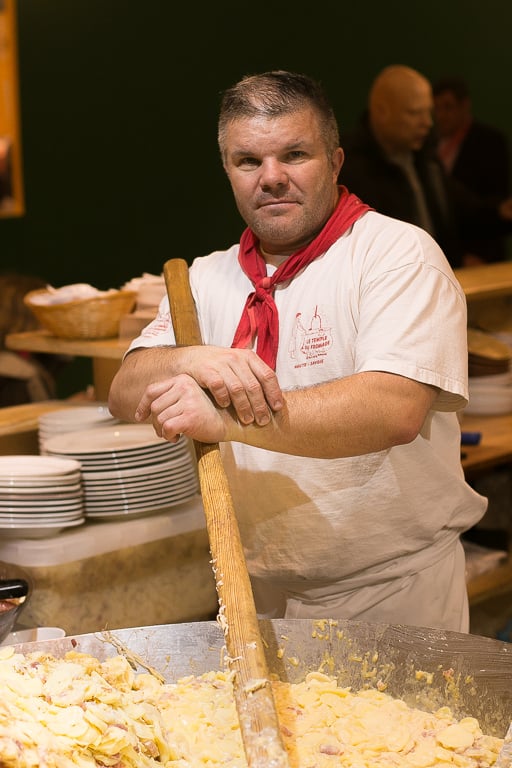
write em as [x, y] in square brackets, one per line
[454, 84]
[277, 93]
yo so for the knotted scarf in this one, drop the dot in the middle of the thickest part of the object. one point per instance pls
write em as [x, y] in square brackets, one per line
[260, 317]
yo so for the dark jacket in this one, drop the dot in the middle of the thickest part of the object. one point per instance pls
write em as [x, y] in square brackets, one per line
[483, 162]
[483, 166]
[456, 214]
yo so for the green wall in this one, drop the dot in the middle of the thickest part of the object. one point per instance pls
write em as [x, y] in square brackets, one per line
[119, 104]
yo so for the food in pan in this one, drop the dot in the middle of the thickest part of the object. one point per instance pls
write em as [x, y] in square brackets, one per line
[8, 605]
[79, 711]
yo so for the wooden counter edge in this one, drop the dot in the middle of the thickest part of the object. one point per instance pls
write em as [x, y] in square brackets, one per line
[486, 280]
[491, 583]
[42, 341]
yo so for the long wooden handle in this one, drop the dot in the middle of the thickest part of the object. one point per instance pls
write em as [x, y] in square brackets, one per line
[237, 613]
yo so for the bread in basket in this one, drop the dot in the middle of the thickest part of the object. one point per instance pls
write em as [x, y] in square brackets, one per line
[89, 317]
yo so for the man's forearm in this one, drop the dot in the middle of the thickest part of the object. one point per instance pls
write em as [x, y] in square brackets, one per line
[139, 369]
[361, 414]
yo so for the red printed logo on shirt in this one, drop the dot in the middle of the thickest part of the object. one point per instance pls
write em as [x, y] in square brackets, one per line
[310, 344]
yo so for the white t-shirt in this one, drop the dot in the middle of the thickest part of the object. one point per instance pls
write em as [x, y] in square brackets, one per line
[383, 298]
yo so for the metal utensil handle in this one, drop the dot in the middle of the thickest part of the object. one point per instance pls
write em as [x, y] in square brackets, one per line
[237, 613]
[11, 588]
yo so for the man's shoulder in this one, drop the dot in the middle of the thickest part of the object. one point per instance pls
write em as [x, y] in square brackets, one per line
[398, 243]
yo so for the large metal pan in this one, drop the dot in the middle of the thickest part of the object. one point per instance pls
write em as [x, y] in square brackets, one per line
[426, 667]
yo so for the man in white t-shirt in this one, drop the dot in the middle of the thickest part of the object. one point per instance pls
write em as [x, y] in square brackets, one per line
[333, 365]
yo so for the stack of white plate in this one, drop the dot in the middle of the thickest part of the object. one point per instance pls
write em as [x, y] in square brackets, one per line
[72, 420]
[128, 471]
[39, 496]
[490, 395]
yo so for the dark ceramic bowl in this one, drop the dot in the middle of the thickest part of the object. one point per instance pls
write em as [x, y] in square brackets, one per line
[13, 598]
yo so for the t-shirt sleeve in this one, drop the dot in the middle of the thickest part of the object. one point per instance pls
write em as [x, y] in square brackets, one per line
[414, 323]
[158, 333]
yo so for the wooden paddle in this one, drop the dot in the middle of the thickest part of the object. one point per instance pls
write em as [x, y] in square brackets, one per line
[237, 613]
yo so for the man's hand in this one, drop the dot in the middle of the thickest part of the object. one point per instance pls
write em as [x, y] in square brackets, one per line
[179, 406]
[236, 377]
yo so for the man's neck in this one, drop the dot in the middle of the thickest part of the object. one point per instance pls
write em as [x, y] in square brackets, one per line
[275, 259]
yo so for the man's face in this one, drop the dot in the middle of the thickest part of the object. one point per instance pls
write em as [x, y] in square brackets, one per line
[450, 112]
[284, 184]
[408, 117]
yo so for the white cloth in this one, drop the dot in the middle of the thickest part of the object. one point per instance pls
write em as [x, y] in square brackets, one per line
[419, 598]
[383, 298]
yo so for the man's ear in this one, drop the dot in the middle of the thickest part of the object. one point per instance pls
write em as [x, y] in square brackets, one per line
[338, 159]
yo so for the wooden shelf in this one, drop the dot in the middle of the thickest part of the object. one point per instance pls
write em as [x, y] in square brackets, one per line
[491, 583]
[495, 445]
[486, 281]
[106, 354]
[43, 341]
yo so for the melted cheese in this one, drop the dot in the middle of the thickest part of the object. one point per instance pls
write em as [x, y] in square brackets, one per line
[78, 711]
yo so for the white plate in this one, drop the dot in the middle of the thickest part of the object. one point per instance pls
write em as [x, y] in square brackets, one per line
[114, 461]
[121, 437]
[51, 516]
[39, 483]
[36, 467]
[121, 487]
[75, 451]
[162, 467]
[144, 512]
[139, 501]
[84, 414]
[38, 530]
[29, 494]
[21, 521]
[58, 503]
[34, 635]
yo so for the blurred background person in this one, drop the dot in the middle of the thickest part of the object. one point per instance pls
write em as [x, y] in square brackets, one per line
[25, 377]
[473, 152]
[391, 163]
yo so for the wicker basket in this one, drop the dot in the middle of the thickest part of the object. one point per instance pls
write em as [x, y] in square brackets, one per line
[97, 317]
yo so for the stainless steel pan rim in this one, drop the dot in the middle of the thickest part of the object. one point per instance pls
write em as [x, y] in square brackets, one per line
[426, 667]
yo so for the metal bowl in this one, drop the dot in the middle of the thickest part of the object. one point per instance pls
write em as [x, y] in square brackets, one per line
[13, 597]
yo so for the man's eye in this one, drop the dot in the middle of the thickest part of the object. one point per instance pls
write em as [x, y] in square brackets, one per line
[248, 162]
[297, 154]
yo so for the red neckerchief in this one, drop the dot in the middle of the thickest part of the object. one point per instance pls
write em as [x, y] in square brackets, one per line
[260, 316]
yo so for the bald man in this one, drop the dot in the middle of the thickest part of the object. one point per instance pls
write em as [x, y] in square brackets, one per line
[391, 164]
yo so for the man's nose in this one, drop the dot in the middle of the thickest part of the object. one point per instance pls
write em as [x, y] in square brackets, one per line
[273, 173]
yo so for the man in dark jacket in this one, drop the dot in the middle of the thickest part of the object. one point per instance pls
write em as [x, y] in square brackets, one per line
[474, 153]
[391, 164]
